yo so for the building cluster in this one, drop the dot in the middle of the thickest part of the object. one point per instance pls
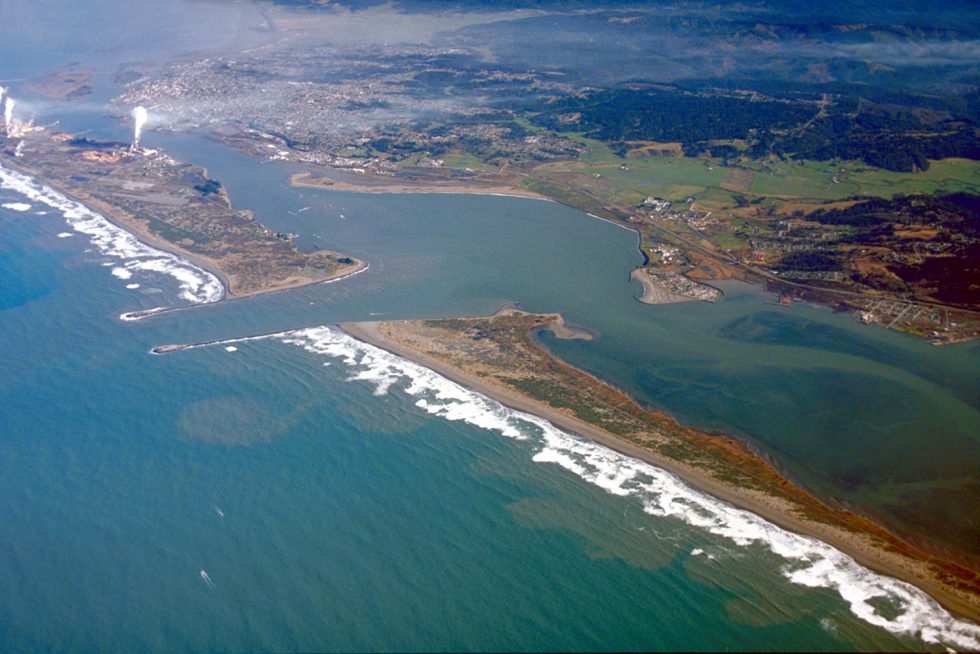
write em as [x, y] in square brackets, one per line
[312, 106]
[681, 285]
[656, 205]
[667, 254]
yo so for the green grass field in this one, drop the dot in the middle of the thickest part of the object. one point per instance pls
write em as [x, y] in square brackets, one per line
[359, 152]
[462, 161]
[945, 176]
[815, 180]
[567, 196]
[628, 181]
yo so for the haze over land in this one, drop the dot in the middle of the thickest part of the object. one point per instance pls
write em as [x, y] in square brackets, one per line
[740, 140]
[827, 155]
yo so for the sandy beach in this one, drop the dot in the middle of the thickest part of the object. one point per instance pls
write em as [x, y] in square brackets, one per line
[139, 229]
[653, 291]
[862, 547]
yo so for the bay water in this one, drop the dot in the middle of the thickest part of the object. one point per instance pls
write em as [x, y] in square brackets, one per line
[303, 492]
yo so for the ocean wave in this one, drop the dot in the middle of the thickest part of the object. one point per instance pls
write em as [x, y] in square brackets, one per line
[809, 562]
[197, 286]
[16, 206]
[435, 394]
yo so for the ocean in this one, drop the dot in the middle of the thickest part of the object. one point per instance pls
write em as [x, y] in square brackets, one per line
[305, 491]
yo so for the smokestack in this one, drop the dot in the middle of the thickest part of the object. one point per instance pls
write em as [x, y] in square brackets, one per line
[8, 114]
[139, 119]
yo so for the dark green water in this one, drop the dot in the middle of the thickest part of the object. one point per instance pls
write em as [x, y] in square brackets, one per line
[873, 417]
[327, 516]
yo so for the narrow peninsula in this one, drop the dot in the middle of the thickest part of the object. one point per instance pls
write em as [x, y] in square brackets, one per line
[500, 357]
[173, 206]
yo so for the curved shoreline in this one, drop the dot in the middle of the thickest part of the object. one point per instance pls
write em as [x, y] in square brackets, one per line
[363, 331]
[861, 546]
[858, 546]
[132, 316]
[654, 293]
[125, 222]
[107, 211]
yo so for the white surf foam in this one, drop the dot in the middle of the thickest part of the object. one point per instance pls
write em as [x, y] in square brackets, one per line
[197, 286]
[809, 562]
[16, 206]
[435, 394]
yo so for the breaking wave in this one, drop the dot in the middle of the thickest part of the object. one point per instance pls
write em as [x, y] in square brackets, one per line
[809, 562]
[16, 206]
[197, 286]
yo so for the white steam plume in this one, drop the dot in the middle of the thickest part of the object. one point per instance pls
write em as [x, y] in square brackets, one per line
[139, 117]
[8, 112]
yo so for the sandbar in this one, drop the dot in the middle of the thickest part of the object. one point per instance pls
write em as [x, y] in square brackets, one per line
[865, 548]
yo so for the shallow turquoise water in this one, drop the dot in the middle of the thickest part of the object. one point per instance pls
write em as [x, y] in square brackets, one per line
[860, 413]
[347, 520]
[328, 517]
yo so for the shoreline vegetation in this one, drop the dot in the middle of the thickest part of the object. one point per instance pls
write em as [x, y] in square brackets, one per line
[543, 385]
[938, 323]
[175, 207]
[499, 357]
[127, 222]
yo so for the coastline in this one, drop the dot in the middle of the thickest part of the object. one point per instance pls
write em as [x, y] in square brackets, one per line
[653, 292]
[128, 223]
[772, 509]
[139, 315]
[862, 547]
